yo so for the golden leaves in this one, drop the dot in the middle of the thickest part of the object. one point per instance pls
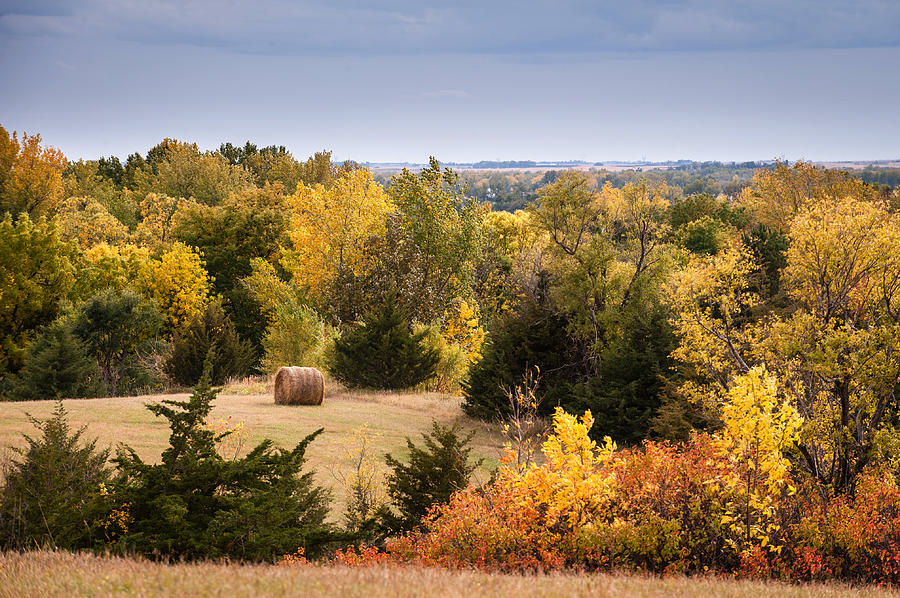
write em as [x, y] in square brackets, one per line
[179, 284]
[329, 227]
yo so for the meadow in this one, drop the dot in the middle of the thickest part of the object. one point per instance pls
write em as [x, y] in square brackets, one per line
[50, 574]
[389, 419]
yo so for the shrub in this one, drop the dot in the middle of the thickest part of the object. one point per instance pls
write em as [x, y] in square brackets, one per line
[57, 366]
[452, 365]
[197, 504]
[664, 508]
[587, 506]
[211, 333]
[383, 352]
[52, 496]
[295, 336]
[432, 474]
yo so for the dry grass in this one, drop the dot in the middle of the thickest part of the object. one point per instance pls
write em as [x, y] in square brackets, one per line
[49, 574]
[390, 419]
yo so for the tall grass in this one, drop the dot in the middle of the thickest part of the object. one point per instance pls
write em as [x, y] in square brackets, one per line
[51, 574]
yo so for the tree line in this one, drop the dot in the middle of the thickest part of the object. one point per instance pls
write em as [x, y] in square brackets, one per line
[641, 302]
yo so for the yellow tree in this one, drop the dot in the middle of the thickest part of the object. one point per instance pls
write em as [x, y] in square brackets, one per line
[159, 218]
[777, 195]
[605, 249]
[460, 327]
[86, 220]
[330, 226]
[836, 351]
[110, 266]
[31, 178]
[179, 284]
[573, 486]
[711, 299]
[760, 427]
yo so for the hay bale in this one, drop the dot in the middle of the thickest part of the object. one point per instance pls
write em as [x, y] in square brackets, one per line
[299, 386]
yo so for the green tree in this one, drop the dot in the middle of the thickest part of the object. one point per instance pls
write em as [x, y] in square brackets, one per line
[51, 495]
[250, 224]
[532, 336]
[111, 168]
[196, 504]
[272, 164]
[181, 170]
[431, 475]
[704, 235]
[115, 326]
[210, 336]
[429, 251]
[57, 366]
[768, 248]
[605, 262]
[624, 395]
[37, 271]
[294, 333]
[383, 352]
[85, 179]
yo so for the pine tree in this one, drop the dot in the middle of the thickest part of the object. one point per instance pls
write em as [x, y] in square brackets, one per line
[212, 332]
[196, 504]
[57, 366]
[51, 497]
[432, 474]
[383, 352]
[534, 336]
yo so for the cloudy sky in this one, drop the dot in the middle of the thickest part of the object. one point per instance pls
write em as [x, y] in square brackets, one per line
[482, 79]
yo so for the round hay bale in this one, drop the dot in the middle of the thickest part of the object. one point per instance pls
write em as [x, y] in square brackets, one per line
[299, 386]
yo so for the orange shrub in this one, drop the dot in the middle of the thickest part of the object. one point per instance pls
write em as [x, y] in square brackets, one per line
[660, 508]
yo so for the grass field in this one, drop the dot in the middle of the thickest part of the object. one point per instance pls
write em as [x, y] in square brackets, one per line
[48, 574]
[390, 418]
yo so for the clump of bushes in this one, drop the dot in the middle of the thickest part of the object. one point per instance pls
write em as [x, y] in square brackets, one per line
[383, 352]
[661, 508]
[196, 503]
[105, 345]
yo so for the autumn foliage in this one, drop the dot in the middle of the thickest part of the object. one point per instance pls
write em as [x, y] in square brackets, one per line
[662, 508]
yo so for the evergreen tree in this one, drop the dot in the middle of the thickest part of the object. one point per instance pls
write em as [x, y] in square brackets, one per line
[534, 336]
[383, 352]
[212, 333]
[197, 504]
[57, 366]
[52, 496]
[432, 474]
[624, 395]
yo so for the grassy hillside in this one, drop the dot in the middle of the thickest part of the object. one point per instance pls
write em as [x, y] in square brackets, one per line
[60, 574]
[390, 418]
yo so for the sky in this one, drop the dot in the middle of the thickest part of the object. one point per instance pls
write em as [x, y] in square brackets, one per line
[463, 81]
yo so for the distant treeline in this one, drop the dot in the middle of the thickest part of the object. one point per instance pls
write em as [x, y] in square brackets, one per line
[510, 190]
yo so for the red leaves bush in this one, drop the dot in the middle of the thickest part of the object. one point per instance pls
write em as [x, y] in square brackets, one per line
[665, 516]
